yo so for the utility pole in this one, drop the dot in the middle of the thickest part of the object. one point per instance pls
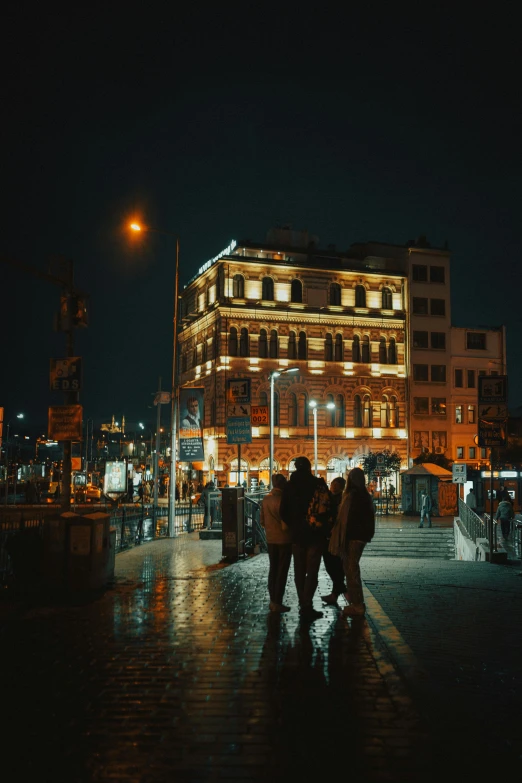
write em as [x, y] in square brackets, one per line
[156, 455]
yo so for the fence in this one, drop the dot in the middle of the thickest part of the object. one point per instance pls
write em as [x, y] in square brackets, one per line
[475, 526]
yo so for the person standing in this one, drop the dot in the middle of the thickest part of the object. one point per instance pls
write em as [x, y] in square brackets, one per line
[307, 539]
[356, 521]
[333, 563]
[505, 514]
[279, 544]
[425, 509]
[471, 500]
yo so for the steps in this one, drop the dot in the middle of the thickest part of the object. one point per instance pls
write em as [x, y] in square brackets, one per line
[432, 542]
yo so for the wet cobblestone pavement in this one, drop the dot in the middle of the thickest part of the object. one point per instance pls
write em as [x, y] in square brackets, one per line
[179, 673]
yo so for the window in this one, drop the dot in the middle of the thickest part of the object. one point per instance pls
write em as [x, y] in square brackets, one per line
[458, 414]
[330, 412]
[439, 442]
[460, 452]
[264, 400]
[292, 346]
[360, 296]
[296, 293]
[301, 348]
[389, 412]
[476, 341]
[268, 289]
[438, 373]
[383, 354]
[437, 274]
[328, 348]
[392, 351]
[420, 305]
[387, 301]
[421, 405]
[366, 356]
[367, 411]
[438, 306]
[459, 379]
[356, 349]
[204, 352]
[263, 344]
[357, 411]
[420, 340]
[232, 341]
[438, 406]
[339, 352]
[238, 287]
[421, 440]
[482, 372]
[471, 414]
[274, 344]
[302, 409]
[292, 409]
[243, 343]
[419, 273]
[335, 294]
[339, 411]
[420, 372]
[394, 412]
[438, 340]
[471, 379]
[483, 454]
[472, 452]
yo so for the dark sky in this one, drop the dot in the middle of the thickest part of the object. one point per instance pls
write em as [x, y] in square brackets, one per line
[216, 125]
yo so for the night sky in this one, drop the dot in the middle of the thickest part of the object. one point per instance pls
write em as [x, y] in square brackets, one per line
[213, 126]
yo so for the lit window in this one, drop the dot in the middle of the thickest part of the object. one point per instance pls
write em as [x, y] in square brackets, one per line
[460, 452]
[471, 414]
[458, 414]
[360, 296]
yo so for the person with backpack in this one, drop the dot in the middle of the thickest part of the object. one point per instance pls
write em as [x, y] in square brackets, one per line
[425, 509]
[306, 508]
[354, 528]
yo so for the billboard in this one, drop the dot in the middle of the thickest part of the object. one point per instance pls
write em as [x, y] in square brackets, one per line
[115, 479]
[191, 418]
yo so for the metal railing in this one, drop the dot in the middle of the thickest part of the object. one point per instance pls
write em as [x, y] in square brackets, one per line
[254, 533]
[475, 526]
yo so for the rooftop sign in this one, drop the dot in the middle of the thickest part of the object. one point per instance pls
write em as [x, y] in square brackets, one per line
[226, 252]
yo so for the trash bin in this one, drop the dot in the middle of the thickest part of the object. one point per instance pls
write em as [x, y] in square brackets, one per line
[88, 555]
[55, 549]
[232, 515]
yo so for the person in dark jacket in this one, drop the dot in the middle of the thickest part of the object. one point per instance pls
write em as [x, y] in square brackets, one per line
[333, 563]
[357, 520]
[307, 540]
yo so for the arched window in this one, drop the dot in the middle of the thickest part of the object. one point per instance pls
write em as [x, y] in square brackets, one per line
[339, 348]
[366, 355]
[339, 411]
[383, 355]
[356, 349]
[268, 289]
[385, 411]
[263, 344]
[392, 351]
[292, 409]
[394, 413]
[204, 352]
[238, 287]
[367, 411]
[357, 411]
[232, 341]
[263, 398]
[360, 296]
[215, 343]
[328, 348]
[387, 302]
[292, 346]
[335, 294]
[301, 348]
[243, 343]
[302, 409]
[274, 344]
[296, 293]
[330, 412]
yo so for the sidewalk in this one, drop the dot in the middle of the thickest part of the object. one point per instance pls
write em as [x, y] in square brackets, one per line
[179, 673]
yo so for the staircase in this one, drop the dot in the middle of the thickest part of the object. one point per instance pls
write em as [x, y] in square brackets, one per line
[412, 542]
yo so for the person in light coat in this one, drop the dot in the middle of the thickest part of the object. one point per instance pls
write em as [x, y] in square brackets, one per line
[471, 500]
[279, 544]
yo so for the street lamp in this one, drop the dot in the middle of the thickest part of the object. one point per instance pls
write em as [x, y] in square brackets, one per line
[8, 426]
[314, 406]
[137, 227]
[273, 375]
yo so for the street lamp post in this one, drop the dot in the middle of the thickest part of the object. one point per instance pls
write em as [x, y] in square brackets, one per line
[273, 375]
[314, 406]
[174, 395]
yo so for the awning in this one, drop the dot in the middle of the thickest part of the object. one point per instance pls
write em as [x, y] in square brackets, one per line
[429, 469]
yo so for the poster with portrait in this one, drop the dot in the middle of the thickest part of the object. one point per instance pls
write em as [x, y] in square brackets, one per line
[191, 418]
[421, 440]
[115, 479]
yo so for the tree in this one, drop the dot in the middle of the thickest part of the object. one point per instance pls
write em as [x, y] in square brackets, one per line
[435, 459]
[380, 464]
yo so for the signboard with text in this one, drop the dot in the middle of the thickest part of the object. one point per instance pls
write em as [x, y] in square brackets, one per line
[65, 422]
[492, 411]
[239, 422]
[459, 470]
[260, 416]
[66, 374]
[191, 407]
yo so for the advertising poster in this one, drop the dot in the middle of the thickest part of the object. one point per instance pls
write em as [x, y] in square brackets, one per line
[115, 477]
[191, 417]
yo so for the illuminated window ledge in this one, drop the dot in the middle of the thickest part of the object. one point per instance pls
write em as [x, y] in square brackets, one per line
[296, 305]
[361, 310]
[253, 368]
[283, 432]
[316, 372]
[255, 433]
[349, 372]
[350, 434]
[268, 303]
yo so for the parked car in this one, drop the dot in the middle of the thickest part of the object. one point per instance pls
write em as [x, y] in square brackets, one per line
[92, 492]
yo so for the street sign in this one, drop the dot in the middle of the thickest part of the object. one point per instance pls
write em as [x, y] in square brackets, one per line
[66, 374]
[239, 410]
[492, 411]
[239, 430]
[459, 470]
[260, 416]
[65, 422]
[162, 398]
[238, 390]
[239, 423]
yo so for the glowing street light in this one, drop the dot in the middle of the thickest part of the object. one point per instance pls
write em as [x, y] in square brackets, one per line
[273, 375]
[314, 406]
